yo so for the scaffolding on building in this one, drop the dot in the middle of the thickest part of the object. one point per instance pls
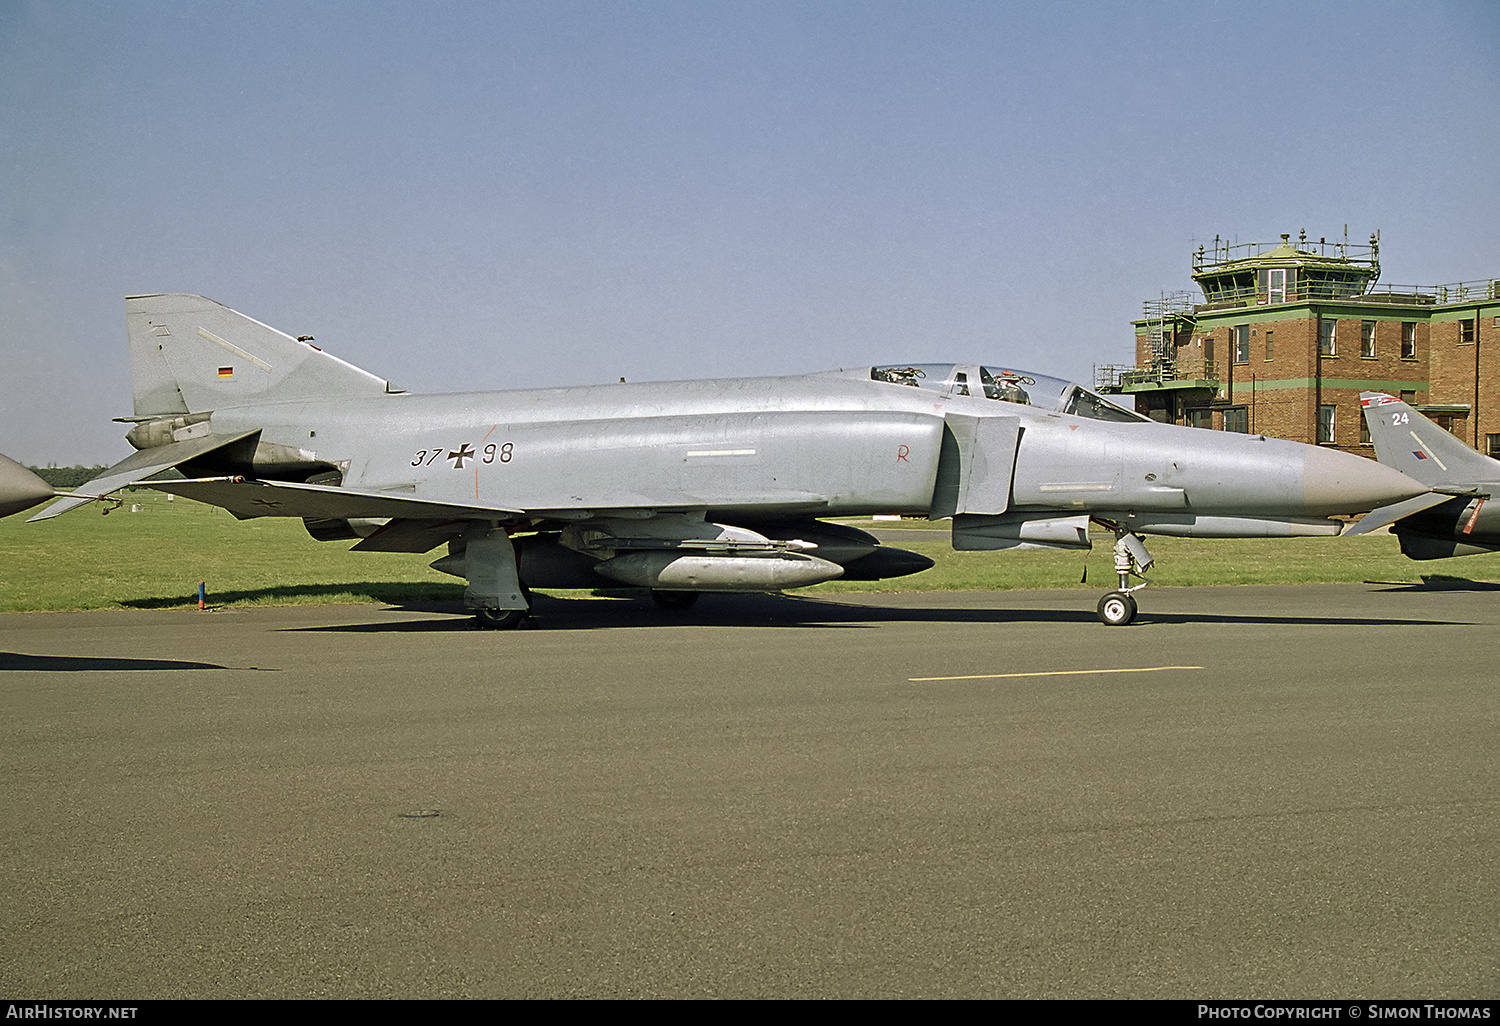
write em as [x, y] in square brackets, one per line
[1164, 318]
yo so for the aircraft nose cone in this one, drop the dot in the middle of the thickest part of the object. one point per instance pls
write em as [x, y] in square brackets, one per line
[20, 488]
[1336, 482]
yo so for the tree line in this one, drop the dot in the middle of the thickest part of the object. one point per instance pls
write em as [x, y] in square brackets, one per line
[66, 477]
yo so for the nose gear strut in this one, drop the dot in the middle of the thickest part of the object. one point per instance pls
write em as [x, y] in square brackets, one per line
[1118, 608]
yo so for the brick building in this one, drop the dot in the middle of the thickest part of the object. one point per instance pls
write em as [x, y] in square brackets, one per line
[1286, 337]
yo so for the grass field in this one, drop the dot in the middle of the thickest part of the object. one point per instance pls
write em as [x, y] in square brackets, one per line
[154, 559]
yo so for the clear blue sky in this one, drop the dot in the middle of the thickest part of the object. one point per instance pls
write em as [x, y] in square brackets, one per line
[497, 195]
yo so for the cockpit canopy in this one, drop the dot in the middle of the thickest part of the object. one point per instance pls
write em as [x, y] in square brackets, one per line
[1005, 385]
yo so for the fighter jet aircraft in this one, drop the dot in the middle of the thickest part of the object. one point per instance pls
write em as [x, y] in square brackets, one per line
[1454, 519]
[690, 486]
[20, 488]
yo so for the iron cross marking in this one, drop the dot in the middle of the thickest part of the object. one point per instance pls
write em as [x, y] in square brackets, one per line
[464, 453]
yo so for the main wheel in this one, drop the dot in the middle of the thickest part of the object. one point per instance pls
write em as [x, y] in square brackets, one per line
[1116, 609]
[673, 599]
[498, 619]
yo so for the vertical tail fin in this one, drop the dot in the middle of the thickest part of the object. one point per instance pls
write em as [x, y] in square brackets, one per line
[1414, 445]
[189, 354]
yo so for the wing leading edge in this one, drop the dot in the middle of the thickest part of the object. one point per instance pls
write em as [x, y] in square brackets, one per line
[248, 498]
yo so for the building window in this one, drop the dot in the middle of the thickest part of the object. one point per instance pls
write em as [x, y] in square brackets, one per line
[1367, 339]
[1408, 341]
[1364, 431]
[1492, 446]
[1200, 418]
[1325, 423]
[1327, 340]
[1453, 423]
[1237, 418]
[1408, 395]
[1270, 344]
[1241, 335]
[1466, 332]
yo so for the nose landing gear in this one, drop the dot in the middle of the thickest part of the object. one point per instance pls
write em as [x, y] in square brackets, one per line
[1118, 608]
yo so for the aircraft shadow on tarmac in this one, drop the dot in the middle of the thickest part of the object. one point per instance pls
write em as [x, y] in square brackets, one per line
[776, 610]
[56, 664]
[1438, 582]
[393, 592]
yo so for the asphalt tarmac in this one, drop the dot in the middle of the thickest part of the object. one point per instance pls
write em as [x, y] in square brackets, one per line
[1251, 793]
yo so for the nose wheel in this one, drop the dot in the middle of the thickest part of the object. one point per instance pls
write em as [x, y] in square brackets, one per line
[1117, 609]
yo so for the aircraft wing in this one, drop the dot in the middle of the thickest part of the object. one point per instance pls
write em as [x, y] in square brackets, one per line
[248, 499]
[1387, 515]
[138, 466]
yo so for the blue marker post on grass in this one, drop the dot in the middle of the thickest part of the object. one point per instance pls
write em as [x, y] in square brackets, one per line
[202, 597]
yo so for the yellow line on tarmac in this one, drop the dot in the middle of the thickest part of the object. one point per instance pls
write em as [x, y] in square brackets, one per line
[1052, 673]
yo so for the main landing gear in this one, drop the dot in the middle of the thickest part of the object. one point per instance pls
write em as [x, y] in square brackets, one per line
[1118, 608]
[498, 619]
[495, 592]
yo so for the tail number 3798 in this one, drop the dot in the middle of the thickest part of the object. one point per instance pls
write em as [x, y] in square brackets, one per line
[494, 452]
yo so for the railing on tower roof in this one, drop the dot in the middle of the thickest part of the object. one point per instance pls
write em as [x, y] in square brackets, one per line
[1224, 255]
[1466, 291]
[1301, 290]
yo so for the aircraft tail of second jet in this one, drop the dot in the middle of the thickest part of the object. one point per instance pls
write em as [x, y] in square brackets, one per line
[189, 355]
[1414, 445]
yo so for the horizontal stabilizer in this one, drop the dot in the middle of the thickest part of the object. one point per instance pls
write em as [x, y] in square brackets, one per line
[138, 466]
[248, 499]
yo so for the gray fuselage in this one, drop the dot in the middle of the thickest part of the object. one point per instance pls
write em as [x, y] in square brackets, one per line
[832, 443]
